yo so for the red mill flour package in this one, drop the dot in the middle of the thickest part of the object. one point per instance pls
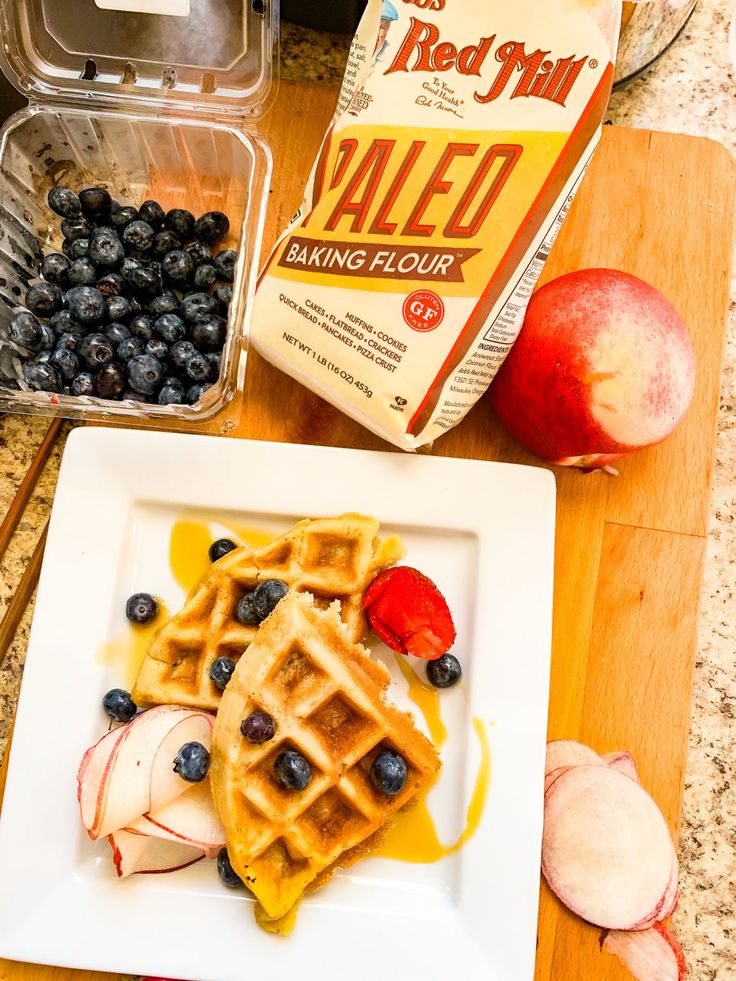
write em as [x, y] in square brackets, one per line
[462, 132]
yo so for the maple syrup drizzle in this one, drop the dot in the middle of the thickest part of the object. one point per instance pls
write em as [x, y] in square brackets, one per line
[128, 649]
[191, 538]
[413, 836]
[427, 699]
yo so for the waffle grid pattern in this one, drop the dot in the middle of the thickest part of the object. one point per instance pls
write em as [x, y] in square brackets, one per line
[326, 696]
[333, 558]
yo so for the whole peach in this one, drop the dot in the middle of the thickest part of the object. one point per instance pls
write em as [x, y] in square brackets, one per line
[603, 366]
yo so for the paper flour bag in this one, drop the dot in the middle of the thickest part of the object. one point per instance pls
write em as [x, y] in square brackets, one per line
[462, 132]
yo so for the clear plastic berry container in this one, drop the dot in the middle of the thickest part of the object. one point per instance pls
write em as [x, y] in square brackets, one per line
[152, 99]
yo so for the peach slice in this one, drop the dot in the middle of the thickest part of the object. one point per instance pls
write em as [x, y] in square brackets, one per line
[134, 852]
[606, 849]
[114, 778]
[567, 752]
[165, 784]
[189, 819]
[650, 955]
[624, 763]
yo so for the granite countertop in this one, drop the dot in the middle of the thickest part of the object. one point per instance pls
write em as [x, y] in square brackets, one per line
[692, 89]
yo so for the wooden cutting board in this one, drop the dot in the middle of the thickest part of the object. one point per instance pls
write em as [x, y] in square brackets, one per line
[630, 550]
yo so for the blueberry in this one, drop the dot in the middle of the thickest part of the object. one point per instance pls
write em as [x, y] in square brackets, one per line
[105, 248]
[119, 705]
[227, 873]
[86, 305]
[55, 269]
[74, 228]
[245, 610]
[444, 672]
[211, 227]
[95, 201]
[119, 308]
[110, 285]
[130, 395]
[83, 384]
[152, 213]
[25, 330]
[42, 378]
[388, 773]
[215, 360]
[221, 671]
[138, 235]
[199, 252]
[141, 608]
[142, 326]
[170, 328]
[204, 276]
[145, 373]
[267, 594]
[43, 299]
[171, 395]
[157, 348]
[195, 393]
[197, 368]
[141, 279]
[64, 202]
[96, 350]
[209, 332]
[82, 272]
[129, 347]
[192, 762]
[225, 264]
[66, 246]
[181, 352]
[117, 332]
[180, 222]
[121, 217]
[178, 266]
[164, 242]
[223, 295]
[110, 381]
[48, 338]
[166, 302]
[196, 305]
[128, 263]
[259, 728]
[62, 322]
[173, 382]
[69, 341]
[79, 248]
[292, 770]
[66, 363]
[221, 547]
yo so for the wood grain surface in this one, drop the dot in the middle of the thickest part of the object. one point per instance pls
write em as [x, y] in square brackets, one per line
[630, 550]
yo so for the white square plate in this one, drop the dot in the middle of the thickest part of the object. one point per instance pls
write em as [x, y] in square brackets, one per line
[483, 531]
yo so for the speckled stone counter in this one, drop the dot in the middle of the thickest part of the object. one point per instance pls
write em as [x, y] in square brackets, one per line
[691, 90]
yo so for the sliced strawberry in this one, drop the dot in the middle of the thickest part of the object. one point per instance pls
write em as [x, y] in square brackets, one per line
[409, 614]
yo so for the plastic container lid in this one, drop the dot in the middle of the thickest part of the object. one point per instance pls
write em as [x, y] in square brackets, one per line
[182, 56]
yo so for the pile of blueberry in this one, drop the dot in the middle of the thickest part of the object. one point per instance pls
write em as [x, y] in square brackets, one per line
[135, 305]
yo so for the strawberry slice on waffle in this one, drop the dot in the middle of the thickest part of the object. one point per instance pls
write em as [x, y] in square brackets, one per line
[409, 613]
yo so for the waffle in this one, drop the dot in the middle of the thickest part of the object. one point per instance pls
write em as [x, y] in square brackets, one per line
[333, 558]
[326, 696]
